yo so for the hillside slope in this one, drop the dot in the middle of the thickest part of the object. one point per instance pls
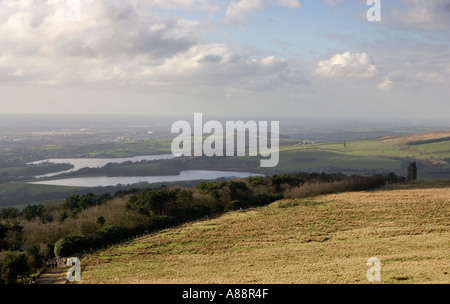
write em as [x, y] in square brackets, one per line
[408, 138]
[327, 239]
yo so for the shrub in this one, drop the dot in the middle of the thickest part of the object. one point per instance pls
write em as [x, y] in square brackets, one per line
[265, 199]
[14, 266]
[36, 259]
[100, 220]
[355, 183]
[32, 211]
[162, 222]
[9, 213]
[191, 213]
[70, 245]
[111, 234]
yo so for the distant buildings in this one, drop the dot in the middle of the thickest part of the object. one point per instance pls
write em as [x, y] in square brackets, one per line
[307, 142]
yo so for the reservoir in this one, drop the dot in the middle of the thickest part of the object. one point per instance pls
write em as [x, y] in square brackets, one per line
[105, 181]
[80, 163]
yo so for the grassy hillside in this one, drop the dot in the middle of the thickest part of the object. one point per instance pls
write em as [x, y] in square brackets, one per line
[327, 239]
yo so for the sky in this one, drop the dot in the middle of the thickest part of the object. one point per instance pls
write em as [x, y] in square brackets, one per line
[299, 58]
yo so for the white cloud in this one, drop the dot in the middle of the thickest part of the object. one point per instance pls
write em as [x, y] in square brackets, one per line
[334, 2]
[386, 84]
[352, 65]
[238, 12]
[120, 42]
[432, 77]
[49, 49]
[189, 5]
[290, 3]
[447, 69]
[218, 64]
[412, 77]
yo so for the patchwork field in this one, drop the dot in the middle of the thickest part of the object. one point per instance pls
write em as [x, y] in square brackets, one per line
[387, 154]
[327, 239]
[407, 138]
[384, 155]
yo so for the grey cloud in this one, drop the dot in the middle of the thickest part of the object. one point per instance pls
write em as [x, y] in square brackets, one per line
[424, 14]
[211, 58]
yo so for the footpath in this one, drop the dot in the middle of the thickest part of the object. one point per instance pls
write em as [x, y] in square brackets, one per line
[53, 275]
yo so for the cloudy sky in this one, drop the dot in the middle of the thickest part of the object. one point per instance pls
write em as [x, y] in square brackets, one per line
[317, 58]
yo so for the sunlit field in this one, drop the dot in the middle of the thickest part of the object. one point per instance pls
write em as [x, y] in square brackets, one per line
[327, 239]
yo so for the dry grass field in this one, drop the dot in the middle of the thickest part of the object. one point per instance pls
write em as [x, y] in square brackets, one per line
[405, 139]
[326, 239]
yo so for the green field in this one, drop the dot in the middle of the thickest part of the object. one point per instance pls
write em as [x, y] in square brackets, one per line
[13, 192]
[364, 156]
[376, 147]
[318, 159]
[131, 148]
[20, 156]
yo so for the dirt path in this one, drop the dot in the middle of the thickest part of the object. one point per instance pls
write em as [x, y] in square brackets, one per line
[52, 276]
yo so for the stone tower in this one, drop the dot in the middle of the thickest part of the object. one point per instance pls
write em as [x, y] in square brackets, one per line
[412, 172]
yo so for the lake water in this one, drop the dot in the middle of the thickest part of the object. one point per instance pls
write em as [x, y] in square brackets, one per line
[104, 181]
[80, 163]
